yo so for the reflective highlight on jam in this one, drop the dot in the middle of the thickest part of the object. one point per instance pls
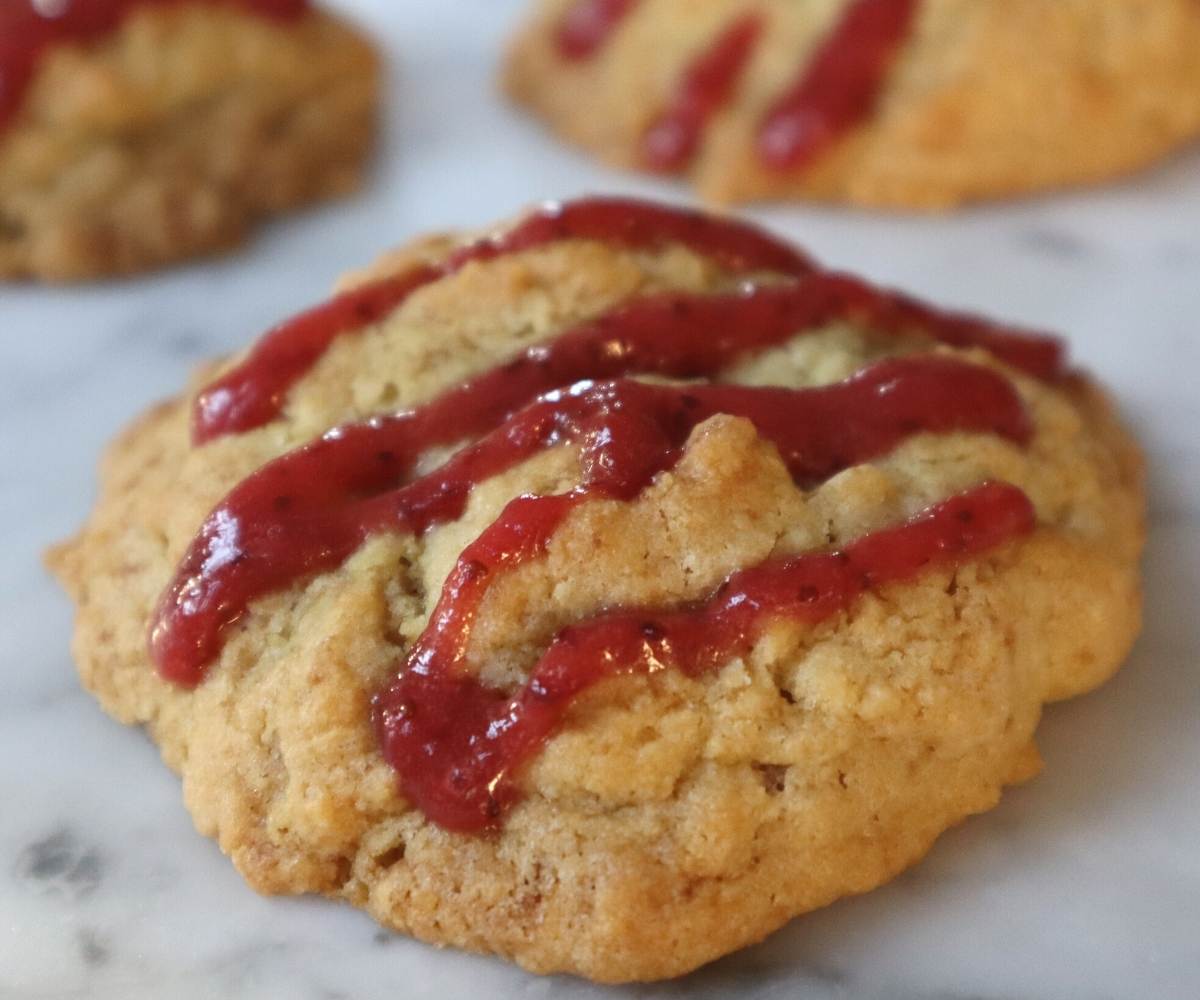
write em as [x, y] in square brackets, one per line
[459, 746]
[254, 391]
[308, 510]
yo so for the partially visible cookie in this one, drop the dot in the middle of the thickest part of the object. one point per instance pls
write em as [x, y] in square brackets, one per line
[605, 592]
[921, 104]
[137, 133]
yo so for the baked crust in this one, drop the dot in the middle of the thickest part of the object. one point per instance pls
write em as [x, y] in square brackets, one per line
[176, 135]
[672, 820]
[987, 98]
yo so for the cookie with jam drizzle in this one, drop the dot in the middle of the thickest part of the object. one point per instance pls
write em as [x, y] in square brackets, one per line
[138, 133]
[607, 589]
[904, 104]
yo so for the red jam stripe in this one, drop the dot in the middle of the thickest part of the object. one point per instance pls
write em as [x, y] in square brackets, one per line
[252, 393]
[688, 336]
[671, 141]
[837, 90]
[459, 747]
[835, 296]
[28, 29]
[307, 511]
[587, 25]
[840, 87]
[680, 334]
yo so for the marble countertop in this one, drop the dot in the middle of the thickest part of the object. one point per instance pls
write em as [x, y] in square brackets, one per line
[1083, 884]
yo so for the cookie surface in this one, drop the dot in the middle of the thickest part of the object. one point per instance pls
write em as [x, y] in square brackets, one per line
[175, 131]
[920, 104]
[671, 813]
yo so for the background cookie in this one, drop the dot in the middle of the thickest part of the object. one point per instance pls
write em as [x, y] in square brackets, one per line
[884, 103]
[135, 134]
[672, 817]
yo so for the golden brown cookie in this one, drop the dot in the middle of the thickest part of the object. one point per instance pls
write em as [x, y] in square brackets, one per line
[920, 104]
[137, 133]
[618, 678]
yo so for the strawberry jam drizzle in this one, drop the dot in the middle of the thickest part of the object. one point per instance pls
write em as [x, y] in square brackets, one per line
[456, 744]
[253, 393]
[459, 746]
[688, 336]
[588, 24]
[840, 87]
[307, 511]
[28, 30]
[670, 142]
[837, 90]
[834, 296]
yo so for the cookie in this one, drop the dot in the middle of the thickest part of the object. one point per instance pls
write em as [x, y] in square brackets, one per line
[138, 133]
[607, 590]
[902, 104]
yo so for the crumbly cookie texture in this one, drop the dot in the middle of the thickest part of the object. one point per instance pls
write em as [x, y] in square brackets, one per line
[176, 135]
[672, 820]
[987, 98]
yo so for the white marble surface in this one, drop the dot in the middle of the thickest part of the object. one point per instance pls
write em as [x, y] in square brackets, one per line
[1083, 884]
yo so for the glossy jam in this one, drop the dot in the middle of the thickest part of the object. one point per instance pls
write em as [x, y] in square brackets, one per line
[587, 25]
[835, 296]
[459, 746]
[29, 27]
[253, 392]
[840, 87]
[307, 511]
[670, 142]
